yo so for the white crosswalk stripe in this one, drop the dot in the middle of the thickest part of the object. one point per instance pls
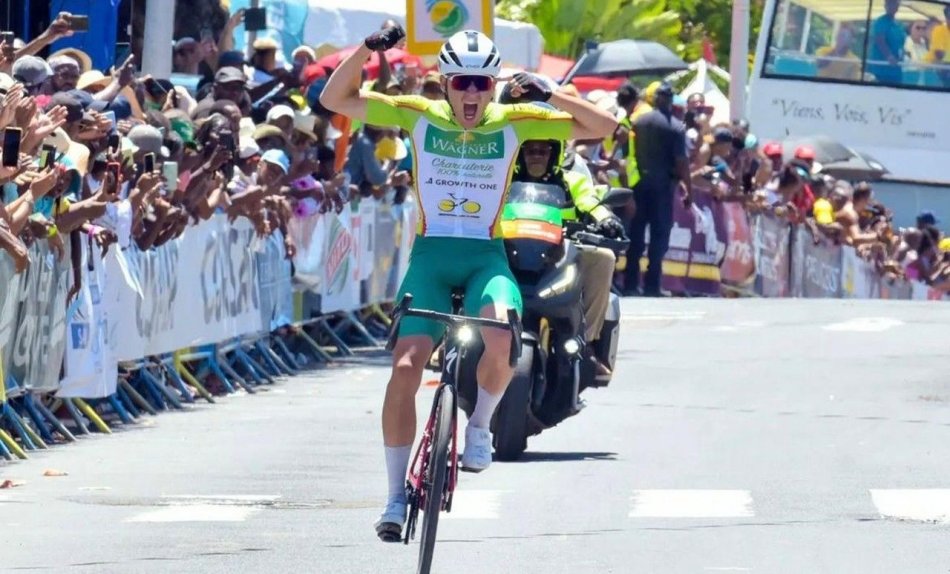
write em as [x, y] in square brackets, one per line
[205, 508]
[475, 504]
[691, 504]
[921, 505]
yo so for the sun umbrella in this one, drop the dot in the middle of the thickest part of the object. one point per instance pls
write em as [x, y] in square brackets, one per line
[835, 158]
[627, 58]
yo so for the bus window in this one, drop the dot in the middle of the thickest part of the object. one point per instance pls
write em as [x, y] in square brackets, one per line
[877, 42]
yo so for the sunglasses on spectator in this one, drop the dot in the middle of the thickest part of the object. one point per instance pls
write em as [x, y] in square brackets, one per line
[462, 82]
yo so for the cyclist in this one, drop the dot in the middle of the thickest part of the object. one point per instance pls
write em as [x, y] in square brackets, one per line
[464, 146]
[546, 161]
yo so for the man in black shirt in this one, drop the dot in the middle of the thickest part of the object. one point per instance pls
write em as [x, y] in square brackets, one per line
[664, 166]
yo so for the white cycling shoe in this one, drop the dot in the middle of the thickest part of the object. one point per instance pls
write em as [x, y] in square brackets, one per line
[390, 523]
[477, 455]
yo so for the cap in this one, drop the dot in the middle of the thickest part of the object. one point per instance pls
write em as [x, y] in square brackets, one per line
[927, 217]
[679, 101]
[148, 139]
[262, 44]
[303, 123]
[722, 134]
[306, 183]
[228, 74]
[805, 152]
[31, 71]
[944, 244]
[248, 148]
[74, 108]
[184, 43]
[246, 128]
[664, 89]
[231, 59]
[305, 51]
[279, 111]
[278, 158]
[432, 77]
[772, 149]
[268, 131]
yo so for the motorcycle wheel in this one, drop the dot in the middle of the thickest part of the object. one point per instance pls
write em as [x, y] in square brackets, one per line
[511, 418]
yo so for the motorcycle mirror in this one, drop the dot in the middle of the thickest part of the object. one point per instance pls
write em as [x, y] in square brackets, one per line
[617, 197]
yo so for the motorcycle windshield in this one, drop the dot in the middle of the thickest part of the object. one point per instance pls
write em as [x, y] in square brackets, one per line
[533, 211]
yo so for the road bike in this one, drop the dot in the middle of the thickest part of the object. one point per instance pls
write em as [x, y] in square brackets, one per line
[433, 473]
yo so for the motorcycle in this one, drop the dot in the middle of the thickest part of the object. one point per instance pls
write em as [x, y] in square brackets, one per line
[555, 366]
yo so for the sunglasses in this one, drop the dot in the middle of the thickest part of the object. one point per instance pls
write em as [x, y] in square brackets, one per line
[462, 82]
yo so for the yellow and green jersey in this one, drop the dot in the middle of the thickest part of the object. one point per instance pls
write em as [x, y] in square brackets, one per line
[462, 176]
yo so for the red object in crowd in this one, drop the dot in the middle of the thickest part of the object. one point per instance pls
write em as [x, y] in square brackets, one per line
[393, 56]
[772, 149]
[805, 152]
[709, 51]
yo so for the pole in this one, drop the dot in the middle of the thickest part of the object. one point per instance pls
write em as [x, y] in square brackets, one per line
[159, 34]
[739, 58]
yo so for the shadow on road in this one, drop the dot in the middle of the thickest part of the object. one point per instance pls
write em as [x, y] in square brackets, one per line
[566, 456]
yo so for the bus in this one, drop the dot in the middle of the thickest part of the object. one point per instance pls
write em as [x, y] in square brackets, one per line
[872, 74]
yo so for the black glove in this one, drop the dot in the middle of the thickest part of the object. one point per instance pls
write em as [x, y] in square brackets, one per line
[385, 38]
[535, 90]
[611, 228]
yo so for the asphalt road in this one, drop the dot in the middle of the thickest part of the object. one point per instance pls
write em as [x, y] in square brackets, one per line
[738, 436]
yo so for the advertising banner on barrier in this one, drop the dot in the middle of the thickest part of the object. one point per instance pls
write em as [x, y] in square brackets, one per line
[309, 236]
[817, 267]
[771, 241]
[738, 266]
[697, 245]
[273, 275]
[341, 290]
[90, 369]
[9, 287]
[40, 339]
[384, 263]
[200, 288]
[859, 278]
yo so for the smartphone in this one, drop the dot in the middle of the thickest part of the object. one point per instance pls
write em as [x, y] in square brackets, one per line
[149, 163]
[122, 51]
[111, 115]
[226, 139]
[11, 147]
[115, 142]
[115, 169]
[7, 38]
[79, 23]
[170, 173]
[255, 19]
[47, 156]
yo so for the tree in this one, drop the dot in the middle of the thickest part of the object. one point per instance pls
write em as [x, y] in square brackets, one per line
[712, 19]
[568, 24]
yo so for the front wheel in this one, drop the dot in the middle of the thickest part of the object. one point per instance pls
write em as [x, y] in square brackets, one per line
[437, 471]
[511, 418]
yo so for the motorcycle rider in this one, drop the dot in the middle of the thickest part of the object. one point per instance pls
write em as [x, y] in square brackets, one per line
[547, 161]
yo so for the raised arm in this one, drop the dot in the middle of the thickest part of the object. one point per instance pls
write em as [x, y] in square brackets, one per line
[342, 92]
[588, 121]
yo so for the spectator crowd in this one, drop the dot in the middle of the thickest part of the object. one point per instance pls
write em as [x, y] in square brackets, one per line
[124, 158]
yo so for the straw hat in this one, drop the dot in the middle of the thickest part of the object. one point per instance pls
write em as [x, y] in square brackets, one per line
[82, 58]
[93, 79]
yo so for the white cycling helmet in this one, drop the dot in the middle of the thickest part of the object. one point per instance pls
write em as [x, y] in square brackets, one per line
[469, 52]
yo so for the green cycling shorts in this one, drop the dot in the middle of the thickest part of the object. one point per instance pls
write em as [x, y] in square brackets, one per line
[439, 264]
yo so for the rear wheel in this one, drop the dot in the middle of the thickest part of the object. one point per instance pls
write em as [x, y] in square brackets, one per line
[437, 472]
[511, 418]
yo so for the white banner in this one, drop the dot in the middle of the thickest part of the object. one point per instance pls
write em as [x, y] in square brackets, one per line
[90, 369]
[198, 289]
[859, 278]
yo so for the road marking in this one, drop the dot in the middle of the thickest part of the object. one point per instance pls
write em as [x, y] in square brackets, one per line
[236, 499]
[923, 505]
[691, 504]
[196, 513]
[864, 325]
[475, 504]
[668, 316]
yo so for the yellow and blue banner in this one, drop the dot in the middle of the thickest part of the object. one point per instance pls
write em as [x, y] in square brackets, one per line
[430, 22]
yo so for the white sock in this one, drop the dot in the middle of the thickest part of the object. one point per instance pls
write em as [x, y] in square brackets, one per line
[397, 464]
[484, 409]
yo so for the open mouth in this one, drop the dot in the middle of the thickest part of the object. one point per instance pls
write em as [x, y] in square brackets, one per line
[469, 111]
